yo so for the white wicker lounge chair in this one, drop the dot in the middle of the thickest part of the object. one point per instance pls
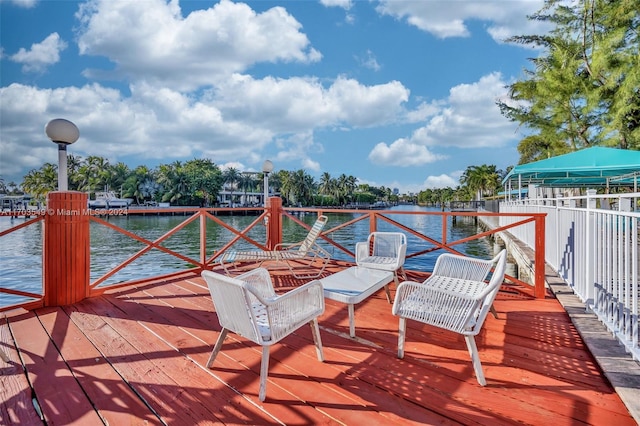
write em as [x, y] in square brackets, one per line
[383, 250]
[307, 251]
[248, 306]
[455, 297]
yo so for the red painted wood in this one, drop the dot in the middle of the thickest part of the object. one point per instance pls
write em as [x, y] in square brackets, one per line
[66, 256]
[115, 401]
[158, 338]
[61, 399]
[15, 393]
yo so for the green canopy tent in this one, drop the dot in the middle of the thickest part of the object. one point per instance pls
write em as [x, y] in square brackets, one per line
[591, 167]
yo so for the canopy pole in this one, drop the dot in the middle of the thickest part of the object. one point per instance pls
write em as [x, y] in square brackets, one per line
[519, 187]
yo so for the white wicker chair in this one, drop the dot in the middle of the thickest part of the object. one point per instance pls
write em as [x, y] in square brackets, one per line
[291, 254]
[455, 297]
[248, 306]
[383, 250]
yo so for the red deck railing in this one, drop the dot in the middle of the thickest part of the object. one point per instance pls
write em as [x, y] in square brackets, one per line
[66, 248]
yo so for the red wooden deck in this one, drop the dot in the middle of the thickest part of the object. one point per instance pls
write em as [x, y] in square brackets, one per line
[137, 356]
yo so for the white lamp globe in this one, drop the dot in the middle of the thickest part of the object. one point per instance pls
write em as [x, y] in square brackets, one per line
[267, 166]
[62, 131]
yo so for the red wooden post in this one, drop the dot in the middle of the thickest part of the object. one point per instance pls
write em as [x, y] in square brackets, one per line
[540, 263]
[373, 224]
[66, 253]
[203, 237]
[274, 225]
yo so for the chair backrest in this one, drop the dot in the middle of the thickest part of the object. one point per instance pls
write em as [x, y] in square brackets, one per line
[466, 268]
[313, 234]
[388, 244]
[233, 304]
[497, 278]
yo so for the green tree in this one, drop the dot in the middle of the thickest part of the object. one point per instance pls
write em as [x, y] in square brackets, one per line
[584, 90]
[175, 182]
[484, 179]
[40, 182]
[231, 178]
[204, 180]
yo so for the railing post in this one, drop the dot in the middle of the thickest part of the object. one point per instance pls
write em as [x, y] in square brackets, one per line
[373, 223]
[66, 252]
[274, 225]
[539, 254]
[203, 237]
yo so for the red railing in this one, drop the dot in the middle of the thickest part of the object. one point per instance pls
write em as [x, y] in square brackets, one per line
[64, 234]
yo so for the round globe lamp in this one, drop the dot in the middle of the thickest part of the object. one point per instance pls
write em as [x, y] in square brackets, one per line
[63, 133]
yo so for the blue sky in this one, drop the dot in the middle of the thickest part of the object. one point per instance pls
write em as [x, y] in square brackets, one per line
[396, 93]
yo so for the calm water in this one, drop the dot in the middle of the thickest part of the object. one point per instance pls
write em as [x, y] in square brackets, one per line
[21, 251]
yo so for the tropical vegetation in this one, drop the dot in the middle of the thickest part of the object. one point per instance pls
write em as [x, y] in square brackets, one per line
[199, 182]
[584, 89]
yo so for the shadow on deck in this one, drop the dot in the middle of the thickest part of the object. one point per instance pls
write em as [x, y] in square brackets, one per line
[136, 356]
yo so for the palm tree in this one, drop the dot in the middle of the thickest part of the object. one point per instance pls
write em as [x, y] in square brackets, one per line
[248, 182]
[92, 174]
[39, 183]
[231, 176]
[117, 175]
[327, 186]
[481, 179]
[174, 179]
[141, 184]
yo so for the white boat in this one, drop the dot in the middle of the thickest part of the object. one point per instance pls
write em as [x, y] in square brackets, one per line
[108, 200]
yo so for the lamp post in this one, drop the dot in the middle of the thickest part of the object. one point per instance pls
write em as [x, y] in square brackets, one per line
[66, 255]
[267, 167]
[62, 132]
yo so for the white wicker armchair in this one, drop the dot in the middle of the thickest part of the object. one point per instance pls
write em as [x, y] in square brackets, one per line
[383, 250]
[455, 297]
[248, 306]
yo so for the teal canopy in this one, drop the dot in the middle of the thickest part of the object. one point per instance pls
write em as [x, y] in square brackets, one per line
[590, 167]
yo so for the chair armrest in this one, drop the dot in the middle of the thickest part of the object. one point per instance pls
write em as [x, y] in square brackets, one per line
[294, 308]
[286, 246]
[362, 250]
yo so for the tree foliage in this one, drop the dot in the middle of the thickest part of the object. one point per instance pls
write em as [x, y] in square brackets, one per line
[584, 90]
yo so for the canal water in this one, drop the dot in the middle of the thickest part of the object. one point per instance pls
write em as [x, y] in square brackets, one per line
[21, 251]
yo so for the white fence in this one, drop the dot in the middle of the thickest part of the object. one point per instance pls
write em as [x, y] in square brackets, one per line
[592, 242]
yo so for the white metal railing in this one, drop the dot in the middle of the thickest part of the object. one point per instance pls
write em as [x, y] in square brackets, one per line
[592, 243]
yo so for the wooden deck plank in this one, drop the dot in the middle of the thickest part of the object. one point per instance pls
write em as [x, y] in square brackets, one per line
[130, 355]
[115, 401]
[48, 374]
[192, 397]
[15, 393]
[157, 338]
[189, 316]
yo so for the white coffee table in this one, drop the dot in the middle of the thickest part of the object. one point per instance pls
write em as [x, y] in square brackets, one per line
[353, 285]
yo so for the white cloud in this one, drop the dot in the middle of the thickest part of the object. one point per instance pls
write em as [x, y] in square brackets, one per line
[402, 153]
[235, 122]
[445, 18]
[345, 4]
[441, 181]
[41, 55]
[468, 118]
[369, 61]
[152, 39]
[27, 4]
